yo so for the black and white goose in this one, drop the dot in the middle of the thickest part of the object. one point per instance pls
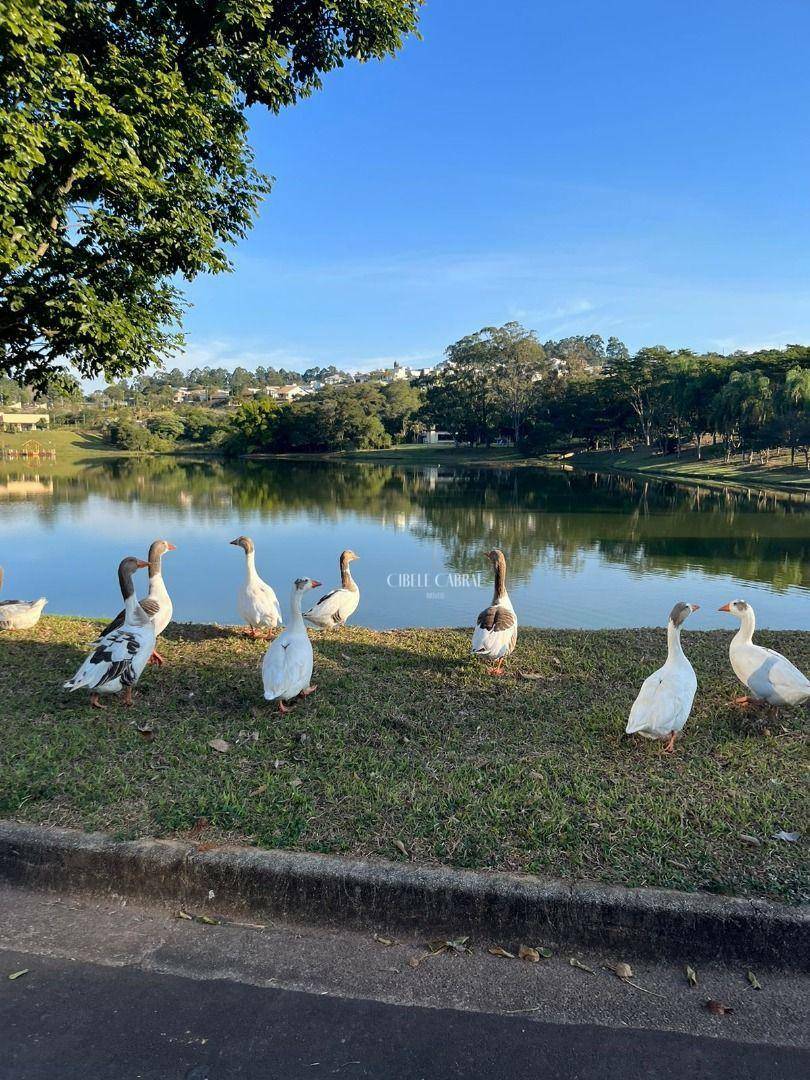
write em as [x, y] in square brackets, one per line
[119, 657]
[335, 607]
[496, 627]
[158, 594]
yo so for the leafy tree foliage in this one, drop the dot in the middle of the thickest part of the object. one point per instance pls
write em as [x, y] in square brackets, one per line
[126, 164]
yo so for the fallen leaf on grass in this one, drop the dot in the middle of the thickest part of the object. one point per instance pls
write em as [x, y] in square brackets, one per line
[624, 971]
[545, 952]
[220, 746]
[206, 919]
[145, 732]
[260, 790]
[496, 950]
[757, 985]
[16, 974]
[296, 782]
[415, 961]
[718, 1008]
[691, 975]
[526, 952]
[401, 848]
[384, 940]
[788, 837]
[749, 839]
[531, 675]
[582, 967]
[455, 945]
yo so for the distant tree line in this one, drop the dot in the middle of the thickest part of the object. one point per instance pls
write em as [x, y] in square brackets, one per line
[501, 382]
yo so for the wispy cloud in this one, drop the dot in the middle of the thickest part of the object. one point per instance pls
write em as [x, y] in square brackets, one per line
[562, 313]
[230, 355]
[740, 344]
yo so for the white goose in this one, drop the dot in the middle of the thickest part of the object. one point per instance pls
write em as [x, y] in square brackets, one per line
[19, 614]
[158, 594]
[496, 627]
[119, 657]
[335, 607]
[257, 602]
[665, 699]
[287, 664]
[768, 675]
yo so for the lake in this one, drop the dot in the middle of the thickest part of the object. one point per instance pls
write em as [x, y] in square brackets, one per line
[583, 550]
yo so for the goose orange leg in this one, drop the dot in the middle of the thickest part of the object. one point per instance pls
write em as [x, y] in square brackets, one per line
[282, 708]
[95, 702]
[669, 745]
[309, 690]
[156, 658]
[127, 698]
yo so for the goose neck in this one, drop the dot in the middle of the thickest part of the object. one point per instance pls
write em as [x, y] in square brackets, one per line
[296, 619]
[674, 648]
[745, 634]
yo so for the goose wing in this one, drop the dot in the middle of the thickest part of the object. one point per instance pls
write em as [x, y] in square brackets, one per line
[778, 680]
[327, 609]
[287, 667]
[494, 628]
[113, 657]
[663, 703]
[151, 607]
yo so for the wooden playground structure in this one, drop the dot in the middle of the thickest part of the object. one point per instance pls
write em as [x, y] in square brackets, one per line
[31, 450]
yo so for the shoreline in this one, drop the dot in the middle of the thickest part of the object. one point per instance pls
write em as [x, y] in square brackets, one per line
[77, 448]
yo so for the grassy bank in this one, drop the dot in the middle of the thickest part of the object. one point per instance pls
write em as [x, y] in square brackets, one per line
[779, 476]
[407, 741]
[711, 469]
[67, 442]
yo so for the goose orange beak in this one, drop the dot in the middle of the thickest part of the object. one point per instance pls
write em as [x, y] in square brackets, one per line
[317, 584]
[725, 607]
[141, 564]
[170, 547]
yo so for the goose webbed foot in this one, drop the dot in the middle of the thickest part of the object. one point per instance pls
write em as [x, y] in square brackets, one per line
[156, 658]
[309, 690]
[127, 700]
[669, 745]
[96, 703]
[282, 708]
[745, 702]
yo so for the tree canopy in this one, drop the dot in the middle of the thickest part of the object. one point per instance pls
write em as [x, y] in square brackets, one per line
[126, 165]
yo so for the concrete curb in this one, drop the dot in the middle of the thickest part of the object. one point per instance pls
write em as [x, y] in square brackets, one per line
[333, 890]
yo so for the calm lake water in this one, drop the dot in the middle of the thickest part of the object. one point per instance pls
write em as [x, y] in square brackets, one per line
[582, 550]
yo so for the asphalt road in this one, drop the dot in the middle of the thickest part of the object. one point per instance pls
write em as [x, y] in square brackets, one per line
[65, 1020]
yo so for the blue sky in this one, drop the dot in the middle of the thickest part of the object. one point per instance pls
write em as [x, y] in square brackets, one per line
[638, 169]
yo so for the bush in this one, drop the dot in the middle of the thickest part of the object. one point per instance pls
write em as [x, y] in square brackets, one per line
[127, 435]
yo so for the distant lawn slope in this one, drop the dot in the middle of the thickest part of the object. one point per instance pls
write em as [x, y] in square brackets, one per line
[711, 468]
[408, 741]
[66, 441]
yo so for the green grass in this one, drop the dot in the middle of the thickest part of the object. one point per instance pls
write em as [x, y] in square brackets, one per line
[712, 468]
[407, 739]
[66, 441]
[420, 454]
